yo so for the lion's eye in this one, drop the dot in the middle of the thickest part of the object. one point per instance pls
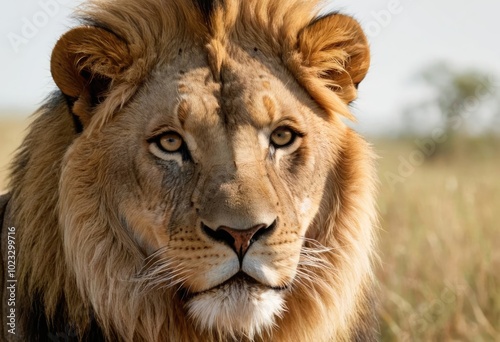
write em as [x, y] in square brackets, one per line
[170, 142]
[282, 136]
[169, 146]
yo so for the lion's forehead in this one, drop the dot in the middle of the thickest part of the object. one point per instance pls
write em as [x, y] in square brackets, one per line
[234, 109]
[243, 92]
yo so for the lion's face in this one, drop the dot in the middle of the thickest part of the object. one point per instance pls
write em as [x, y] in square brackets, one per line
[216, 182]
[211, 179]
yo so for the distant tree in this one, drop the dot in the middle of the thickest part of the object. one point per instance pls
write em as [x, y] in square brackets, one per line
[496, 116]
[456, 96]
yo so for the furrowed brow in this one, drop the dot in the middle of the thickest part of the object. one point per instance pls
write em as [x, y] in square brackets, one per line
[183, 110]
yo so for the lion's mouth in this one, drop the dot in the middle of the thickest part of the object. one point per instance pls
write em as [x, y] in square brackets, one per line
[241, 303]
[240, 281]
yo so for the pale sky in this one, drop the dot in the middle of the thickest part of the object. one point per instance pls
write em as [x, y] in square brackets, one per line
[415, 34]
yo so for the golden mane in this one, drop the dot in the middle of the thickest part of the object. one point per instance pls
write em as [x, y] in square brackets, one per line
[332, 300]
[155, 31]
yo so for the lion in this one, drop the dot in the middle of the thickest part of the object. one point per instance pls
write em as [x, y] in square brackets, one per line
[192, 178]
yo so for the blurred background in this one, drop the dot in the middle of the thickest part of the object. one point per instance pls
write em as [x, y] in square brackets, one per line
[430, 106]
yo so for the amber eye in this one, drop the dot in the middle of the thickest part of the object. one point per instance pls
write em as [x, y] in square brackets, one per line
[282, 136]
[170, 142]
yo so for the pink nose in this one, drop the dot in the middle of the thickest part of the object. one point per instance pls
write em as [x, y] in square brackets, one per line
[239, 240]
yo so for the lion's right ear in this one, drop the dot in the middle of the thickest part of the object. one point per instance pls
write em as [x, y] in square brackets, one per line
[85, 62]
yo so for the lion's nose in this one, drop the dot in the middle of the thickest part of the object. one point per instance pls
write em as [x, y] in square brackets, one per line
[239, 239]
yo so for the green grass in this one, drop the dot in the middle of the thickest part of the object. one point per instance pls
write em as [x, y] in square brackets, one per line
[439, 244]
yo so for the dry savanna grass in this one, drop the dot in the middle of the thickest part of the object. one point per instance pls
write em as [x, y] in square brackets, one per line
[12, 131]
[439, 247]
[440, 255]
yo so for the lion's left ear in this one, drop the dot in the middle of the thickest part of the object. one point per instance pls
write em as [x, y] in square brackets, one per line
[85, 62]
[335, 50]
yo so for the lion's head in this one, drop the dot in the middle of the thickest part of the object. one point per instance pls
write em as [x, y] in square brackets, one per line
[195, 179]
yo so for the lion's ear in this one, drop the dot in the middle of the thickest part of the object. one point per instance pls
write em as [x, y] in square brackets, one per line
[335, 49]
[84, 63]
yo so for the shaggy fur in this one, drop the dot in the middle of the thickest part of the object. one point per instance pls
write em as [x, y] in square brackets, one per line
[114, 234]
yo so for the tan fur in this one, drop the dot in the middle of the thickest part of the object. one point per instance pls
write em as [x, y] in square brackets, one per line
[113, 226]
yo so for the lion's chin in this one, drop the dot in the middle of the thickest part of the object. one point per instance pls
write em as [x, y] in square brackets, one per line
[236, 308]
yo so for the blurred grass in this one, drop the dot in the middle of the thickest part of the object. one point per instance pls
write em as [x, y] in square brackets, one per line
[440, 274]
[440, 244]
[12, 131]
